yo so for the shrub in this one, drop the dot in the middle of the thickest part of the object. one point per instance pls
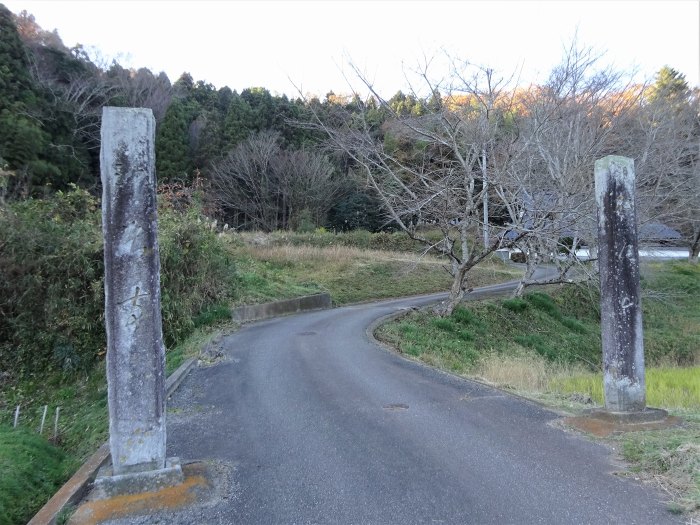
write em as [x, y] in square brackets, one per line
[51, 280]
[514, 305]
[305, 222]
[443, 324]
[212, 315]
[51, 273]
[196, 271]
[463, 316]
[544, 302]
[518, 257]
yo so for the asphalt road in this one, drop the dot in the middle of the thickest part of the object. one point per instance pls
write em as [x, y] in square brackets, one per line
[317, 424]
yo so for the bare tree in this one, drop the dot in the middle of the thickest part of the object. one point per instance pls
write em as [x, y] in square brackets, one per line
[244, 183]
[142, 89]
[663, 136]
[261, 186]
[85, 95]
[565, 126]
[431, 169]
[311, 184]
[528, 152]
[79, 90]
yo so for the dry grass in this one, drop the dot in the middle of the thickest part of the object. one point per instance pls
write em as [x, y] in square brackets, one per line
[671, 388]
[351, 274]
[670, 459]
[529, 372]
[333, 254]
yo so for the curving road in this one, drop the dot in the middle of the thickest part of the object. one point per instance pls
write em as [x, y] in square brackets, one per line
[319, 425]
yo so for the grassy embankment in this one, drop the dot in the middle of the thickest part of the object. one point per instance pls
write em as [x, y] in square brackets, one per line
[52, 338]
[547, 346]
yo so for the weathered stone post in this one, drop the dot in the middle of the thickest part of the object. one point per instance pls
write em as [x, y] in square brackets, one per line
[135, 350]
[620, 297]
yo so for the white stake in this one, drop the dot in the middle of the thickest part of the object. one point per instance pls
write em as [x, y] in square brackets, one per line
[43, 419]
[16, 416]
[55, 423]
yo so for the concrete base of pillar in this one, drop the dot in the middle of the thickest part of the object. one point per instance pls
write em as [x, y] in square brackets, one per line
[603, 423]
[648, 415]
[107, 485]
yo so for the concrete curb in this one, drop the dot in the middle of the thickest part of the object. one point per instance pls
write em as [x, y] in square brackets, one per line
[76, 487]
[256, 312]
[178, 376]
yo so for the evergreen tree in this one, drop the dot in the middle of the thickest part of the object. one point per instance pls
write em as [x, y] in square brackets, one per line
[23, 140]
[357, 210]
[239, 122]
[263, 108]
[223, 100]
[670, 85]
[172, 144]
[205, 139]
[16, 86]
[205, 95]
[184, 85]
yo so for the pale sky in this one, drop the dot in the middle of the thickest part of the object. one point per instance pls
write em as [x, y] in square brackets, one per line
[278, 45]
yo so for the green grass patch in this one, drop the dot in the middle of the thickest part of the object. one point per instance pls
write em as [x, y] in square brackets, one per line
[443, 324]
[574, 325]
[563, 324]
[671, 311]
[362, 239]
[545, 303]
[464, 316]
[538, 343]
[31, 469]
[82, 398]
[506, 327]
[212, 315]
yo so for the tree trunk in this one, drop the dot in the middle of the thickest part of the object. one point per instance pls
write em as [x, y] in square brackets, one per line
[532, 262]
[531, 266]
[694, 250]
[485, 199]
[694, 253]
[446, 308]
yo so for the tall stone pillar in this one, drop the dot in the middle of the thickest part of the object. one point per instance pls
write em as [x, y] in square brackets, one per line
[620, 297]
[135, 350]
